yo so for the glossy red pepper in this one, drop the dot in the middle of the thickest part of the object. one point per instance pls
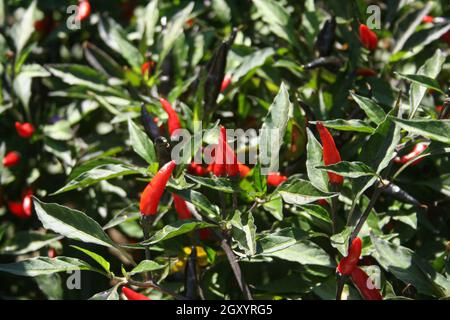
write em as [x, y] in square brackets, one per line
[205, 234]
[133, 295]
[51, 253]
[330, 152]
[364, 285]
[225, 83]
[197, 169]
[367, 37]
[21, 210]
[27, 202]
[428, 19]
[11, 159]
[181, 208]
[275, 179]
[25, 130]
[244, 170]
[173, 122]
[155, 189]
[84, 10]
[348, 263]
[416, 151]
[322, 202]
[230, 158]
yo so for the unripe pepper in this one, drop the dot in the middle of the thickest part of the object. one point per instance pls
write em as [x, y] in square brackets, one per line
[11, 159]
[350, 262]
[275, 179]
[364, 285]
[155, 189]
[181, 207]
[330, 152]
[84, 10]
[367, 37]
[25, 130]
[133, 295]
[173, 122]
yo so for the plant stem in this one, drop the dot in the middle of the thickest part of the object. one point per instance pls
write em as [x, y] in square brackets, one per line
[146, 223]
[234, 266]
[340, 286]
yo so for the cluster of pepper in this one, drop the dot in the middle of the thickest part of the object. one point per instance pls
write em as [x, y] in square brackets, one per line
[21, 209]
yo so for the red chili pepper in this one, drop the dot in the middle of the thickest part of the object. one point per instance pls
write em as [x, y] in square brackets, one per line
[25, 130]
[22, 209]
[27, 202]
[225, 82]
[11, 159]
[197, 169]
[84, 10]
[155, 189]
[367, 37]
[348, 263]
[330, 152]
[244, 170]
[416, 151]
[133, 295]
[275, 179]
[230, 159]
[322, 202]
[428, 19]
[205, 234]
[366, 72]
[51, 253]
[181, 208]
[365, 285]
[173, 122]
[147, 68]
[446, 37]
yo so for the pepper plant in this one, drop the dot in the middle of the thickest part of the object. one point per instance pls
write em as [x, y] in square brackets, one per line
[346, 195]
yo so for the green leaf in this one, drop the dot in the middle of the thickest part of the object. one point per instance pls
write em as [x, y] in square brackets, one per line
[200, 201]
[42, 265]
[371, 108]
[251, 62]
[355, 125]
[150, 20]
[28, 241]
[221, 184]
[50, 285]
[146, 266]
[438, 130]
[304, 252]
[126, 49]
[377, 153]
[273, 129]
[244, 232]
[74, 74]
[430, 69]
[280, 240]
[222, 10]
[318, 178]
[22, 31]
[71, 223]
[97, 174]
[422, 80]
[174, 30]
[110, 294]
[354, 169]
[410, 268]
[176, 229]
[297, 191]
[278, 19]
[140, 143]
[98, 258]
[275, 207]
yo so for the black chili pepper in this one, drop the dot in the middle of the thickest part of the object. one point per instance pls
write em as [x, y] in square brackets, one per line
[149, 124]
[191, 280]
[325, 39]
